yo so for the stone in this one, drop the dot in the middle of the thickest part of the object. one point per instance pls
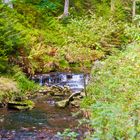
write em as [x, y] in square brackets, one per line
[59, 91]
[83, 94]
[62, 104]
[73, 95]
[58, 94]
[21, 105]
[77, 97]
[76, 103]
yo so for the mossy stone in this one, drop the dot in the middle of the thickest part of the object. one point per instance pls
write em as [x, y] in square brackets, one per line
[21, 105]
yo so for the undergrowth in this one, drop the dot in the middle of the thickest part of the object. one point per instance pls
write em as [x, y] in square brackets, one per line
[41, 42]
[114, 96]
[16, 86]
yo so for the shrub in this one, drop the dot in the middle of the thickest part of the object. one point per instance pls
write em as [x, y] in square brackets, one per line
[39, 42]
[115, 90]
[8, 89]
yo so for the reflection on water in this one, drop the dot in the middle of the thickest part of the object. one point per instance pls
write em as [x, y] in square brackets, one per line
[17, 120]
[43, 115]
[44, 120]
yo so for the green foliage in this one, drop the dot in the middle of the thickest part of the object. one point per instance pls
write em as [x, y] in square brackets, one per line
[8, 89]
[133, 33]
[47, 7]
[23, 83]
[16, 86]
[114, 96]
[32, 37]
[68, 134]
[79, 43]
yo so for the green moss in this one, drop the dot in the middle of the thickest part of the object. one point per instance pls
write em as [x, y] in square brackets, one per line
[21, 105]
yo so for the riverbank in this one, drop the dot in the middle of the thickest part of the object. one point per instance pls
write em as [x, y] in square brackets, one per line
[113, 96]
[15, 86]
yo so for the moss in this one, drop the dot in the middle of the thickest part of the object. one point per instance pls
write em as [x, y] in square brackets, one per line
[21, 105]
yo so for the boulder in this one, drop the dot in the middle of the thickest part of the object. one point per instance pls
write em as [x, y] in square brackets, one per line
[21, 105]
[62, 104]
[77, 97]
[58, 94]
[73, 95]
[74, 99]
[59, 91]
[76, 103]
[83, 94]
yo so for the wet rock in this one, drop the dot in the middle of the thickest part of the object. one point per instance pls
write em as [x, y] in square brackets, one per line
[74, 99]
[58, 94]
[73, 95]
[22, 105]
[83, 94]
[62, 104]
[59, 91]
[76, 103]
[77, 97]
[43, 91]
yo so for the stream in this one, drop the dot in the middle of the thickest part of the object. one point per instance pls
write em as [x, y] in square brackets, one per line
[45, 120]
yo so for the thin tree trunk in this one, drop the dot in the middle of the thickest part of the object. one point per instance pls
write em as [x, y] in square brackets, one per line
[8, 2]
[112, 5]
[66, 8]
[134, 9]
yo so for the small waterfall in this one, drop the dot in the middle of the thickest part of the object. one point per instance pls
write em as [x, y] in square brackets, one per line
[74, 81]
[41, 80]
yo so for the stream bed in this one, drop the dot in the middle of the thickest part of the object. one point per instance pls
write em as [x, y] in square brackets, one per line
[42, 122]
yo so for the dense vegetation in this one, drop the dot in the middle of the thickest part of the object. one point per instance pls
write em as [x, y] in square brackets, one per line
[113, 96]
[36, 38]
[33, 37]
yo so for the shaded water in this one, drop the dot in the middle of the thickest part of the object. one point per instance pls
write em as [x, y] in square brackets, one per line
[45, 120]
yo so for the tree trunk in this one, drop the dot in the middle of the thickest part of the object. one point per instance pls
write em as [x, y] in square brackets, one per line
[8, 2]
[112, 5]
[134, 9]
[66, 8]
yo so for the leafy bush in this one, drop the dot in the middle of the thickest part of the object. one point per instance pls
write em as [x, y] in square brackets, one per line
[39, 42]
[16, 86]
[68, 134]
[23, 83]
[8, 89]
[114, 96]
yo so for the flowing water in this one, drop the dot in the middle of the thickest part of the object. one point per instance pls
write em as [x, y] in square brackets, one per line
[45, 120]
[74, 81]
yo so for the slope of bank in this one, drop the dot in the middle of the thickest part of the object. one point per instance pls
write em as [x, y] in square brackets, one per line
[15, 86]
[114, 96]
